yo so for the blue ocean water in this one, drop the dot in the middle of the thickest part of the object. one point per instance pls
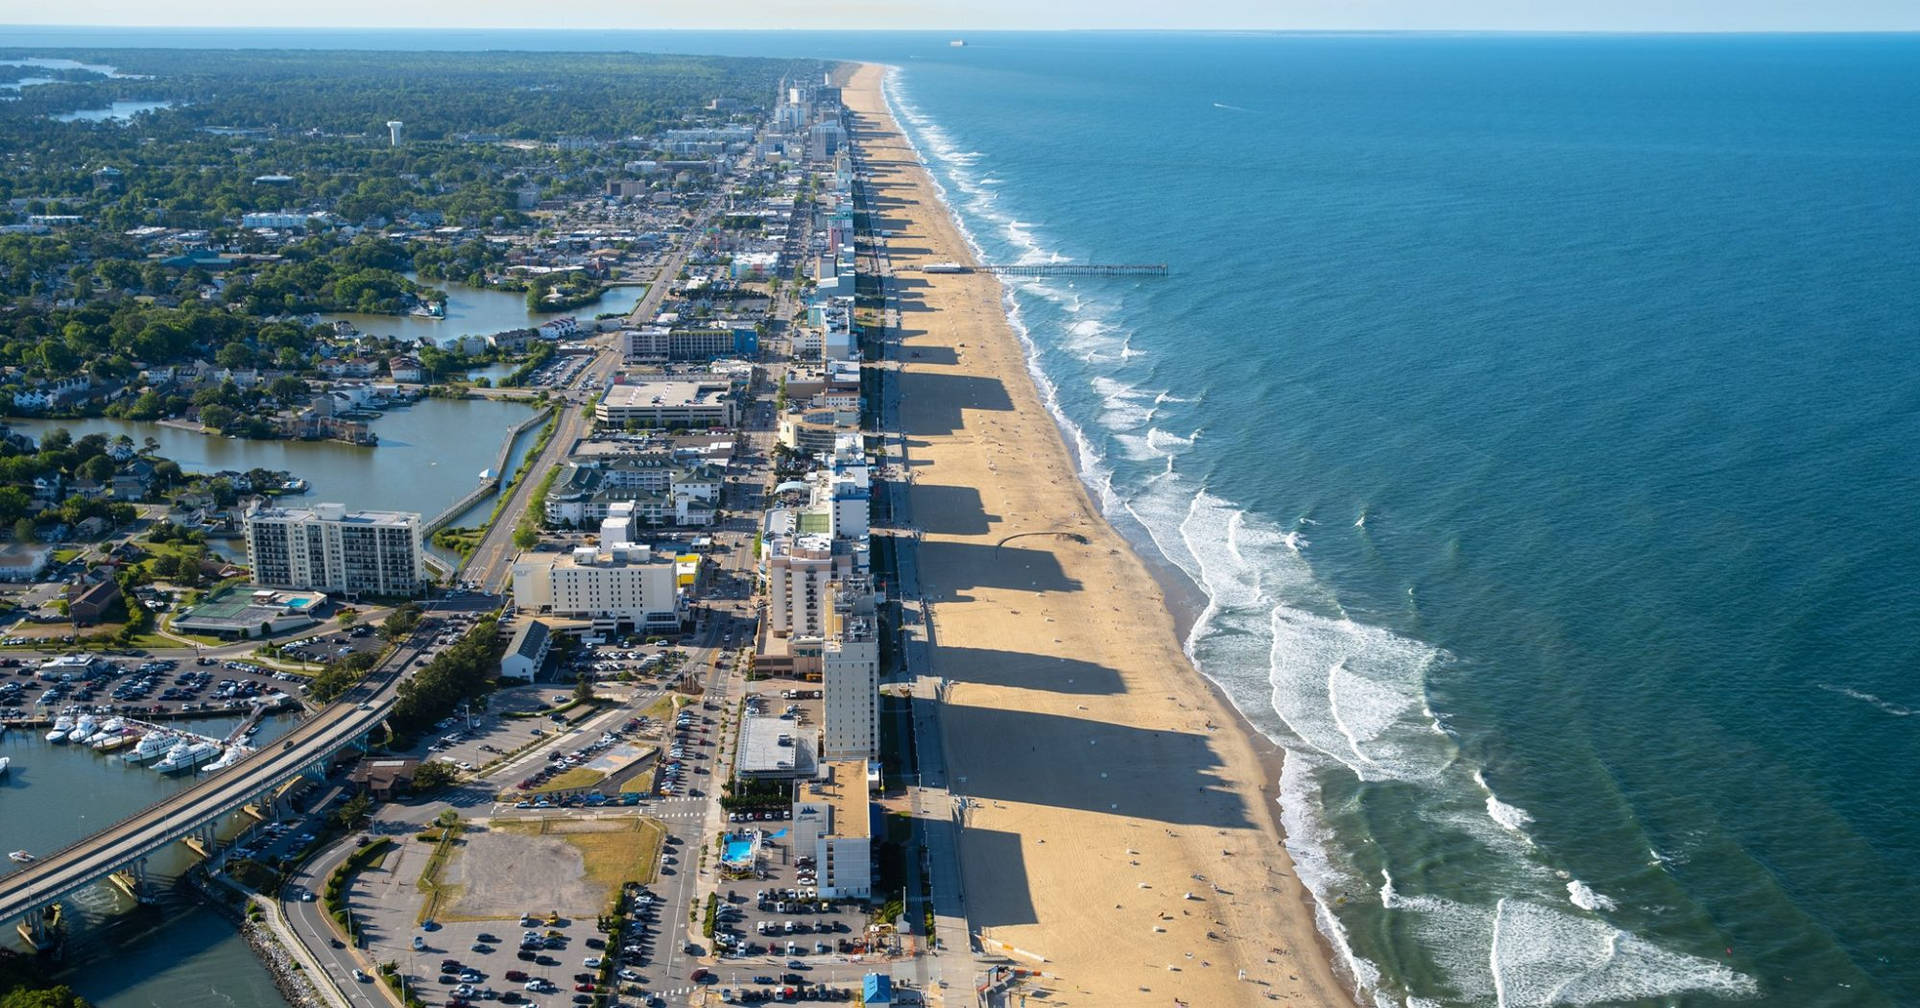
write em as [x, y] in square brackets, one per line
[1538, 417]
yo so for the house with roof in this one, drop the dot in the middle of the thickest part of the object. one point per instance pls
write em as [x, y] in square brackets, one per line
[526, 652]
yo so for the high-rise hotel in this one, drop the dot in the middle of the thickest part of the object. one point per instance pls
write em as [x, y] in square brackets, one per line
[328, 548]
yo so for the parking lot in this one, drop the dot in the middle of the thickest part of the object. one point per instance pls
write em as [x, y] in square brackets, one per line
[137, 686]
[520, 929]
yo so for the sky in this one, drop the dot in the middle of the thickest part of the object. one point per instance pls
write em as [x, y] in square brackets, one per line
[1496, 15]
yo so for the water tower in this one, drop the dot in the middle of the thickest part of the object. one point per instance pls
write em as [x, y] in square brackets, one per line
[393, 127]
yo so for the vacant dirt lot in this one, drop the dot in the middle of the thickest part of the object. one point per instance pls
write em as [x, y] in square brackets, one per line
[569, 866]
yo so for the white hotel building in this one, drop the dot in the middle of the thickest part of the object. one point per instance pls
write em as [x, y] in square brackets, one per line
[614, 586]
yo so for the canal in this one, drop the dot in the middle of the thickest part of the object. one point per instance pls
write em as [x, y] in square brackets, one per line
[476, 311]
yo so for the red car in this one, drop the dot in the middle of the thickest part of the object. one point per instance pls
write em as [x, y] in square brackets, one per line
[584, 988]
[516, 976]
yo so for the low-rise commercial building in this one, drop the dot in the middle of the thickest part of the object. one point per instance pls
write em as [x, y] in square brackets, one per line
[667, 403]
[526, 652]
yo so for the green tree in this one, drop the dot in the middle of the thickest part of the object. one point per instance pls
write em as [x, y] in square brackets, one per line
[355, 811]
[25, 532]
[433, 775]
[48, 997]
[401, 621]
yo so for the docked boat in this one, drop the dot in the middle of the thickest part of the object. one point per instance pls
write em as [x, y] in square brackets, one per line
[186, 756]
[6, 763]
[61, 726]
[234, 754]
[83, 730]
[107, 742]
[152, 746]
[108, 734]
[21, 856]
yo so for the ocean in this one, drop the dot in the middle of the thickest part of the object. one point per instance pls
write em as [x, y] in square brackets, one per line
[1537, 420]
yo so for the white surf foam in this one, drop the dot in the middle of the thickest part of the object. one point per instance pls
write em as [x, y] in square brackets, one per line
[1350, 698]
[1540, 956]
[1170, 444]
[1885, 706]
[1584, 897]
[1512, 818]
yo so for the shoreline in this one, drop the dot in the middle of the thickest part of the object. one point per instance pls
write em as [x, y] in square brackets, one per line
[1166, 725]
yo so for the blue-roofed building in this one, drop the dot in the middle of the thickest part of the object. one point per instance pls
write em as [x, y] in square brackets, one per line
[877, 989]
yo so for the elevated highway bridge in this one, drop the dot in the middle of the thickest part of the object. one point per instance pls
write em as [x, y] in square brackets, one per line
[27, 895]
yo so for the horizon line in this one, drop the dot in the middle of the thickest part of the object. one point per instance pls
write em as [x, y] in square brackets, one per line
[544, 29]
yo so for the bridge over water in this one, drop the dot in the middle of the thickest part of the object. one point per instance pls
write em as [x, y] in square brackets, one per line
[120, 851]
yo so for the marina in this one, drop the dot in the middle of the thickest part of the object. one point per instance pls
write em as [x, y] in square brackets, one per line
[55, 794]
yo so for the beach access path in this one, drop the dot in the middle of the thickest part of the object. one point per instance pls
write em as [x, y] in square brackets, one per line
[1119, 832]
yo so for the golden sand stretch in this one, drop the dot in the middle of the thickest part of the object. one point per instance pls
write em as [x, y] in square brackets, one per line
[1124, 824]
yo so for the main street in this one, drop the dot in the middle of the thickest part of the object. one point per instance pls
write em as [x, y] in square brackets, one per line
[490, 565]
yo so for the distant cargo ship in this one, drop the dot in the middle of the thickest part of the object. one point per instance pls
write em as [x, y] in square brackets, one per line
[957, 43]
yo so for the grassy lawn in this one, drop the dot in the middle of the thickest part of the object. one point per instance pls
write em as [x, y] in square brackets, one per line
[572, 780]
[68, 555]
[640, 783]
[661, 709]
[437, 893]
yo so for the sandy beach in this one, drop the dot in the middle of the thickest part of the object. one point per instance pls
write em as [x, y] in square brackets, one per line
[1123, 825]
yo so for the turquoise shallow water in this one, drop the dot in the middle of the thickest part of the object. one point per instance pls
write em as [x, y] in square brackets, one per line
[1538, 416]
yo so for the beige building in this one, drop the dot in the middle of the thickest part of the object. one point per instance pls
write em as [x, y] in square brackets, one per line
[612, 587]
[798, 571]
[836, 814]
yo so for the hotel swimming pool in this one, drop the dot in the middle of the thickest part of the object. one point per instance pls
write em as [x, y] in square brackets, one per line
[739, 849]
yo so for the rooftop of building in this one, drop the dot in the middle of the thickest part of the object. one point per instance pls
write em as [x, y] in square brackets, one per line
[334, 512]
[530, 641]
[844, 791]
[667, 392]
[763, 754]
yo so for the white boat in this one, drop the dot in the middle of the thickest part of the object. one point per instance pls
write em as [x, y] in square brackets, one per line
[186, 756]
[109, 741]
[61, 726]
[21, 856]
[234, 754]
[152, 746]
[6, 762]
[83, 730]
